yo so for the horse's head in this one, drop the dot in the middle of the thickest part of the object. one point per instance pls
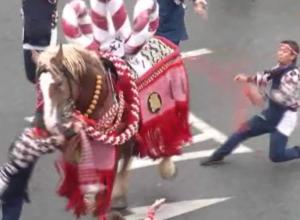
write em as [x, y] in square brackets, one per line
[70, 77]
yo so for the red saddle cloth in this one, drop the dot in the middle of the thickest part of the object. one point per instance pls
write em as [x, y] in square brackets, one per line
[164, 97]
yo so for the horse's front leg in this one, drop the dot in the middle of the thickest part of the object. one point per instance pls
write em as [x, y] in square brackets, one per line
[120, 190]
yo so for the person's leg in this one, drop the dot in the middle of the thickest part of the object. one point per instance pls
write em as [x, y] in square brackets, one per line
[39, 24]
[278, 148]
[14, 196]
[254, 127]
[12, 208]
[30, 66]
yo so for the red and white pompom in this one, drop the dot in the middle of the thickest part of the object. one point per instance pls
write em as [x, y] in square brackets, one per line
[106, 25]
[146, 20]
[77, 24]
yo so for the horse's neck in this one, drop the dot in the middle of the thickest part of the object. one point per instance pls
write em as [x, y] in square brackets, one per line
[86, 94]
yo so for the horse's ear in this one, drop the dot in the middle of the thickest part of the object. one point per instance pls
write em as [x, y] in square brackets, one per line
[60, 54]
[34, 56]
[57, 60]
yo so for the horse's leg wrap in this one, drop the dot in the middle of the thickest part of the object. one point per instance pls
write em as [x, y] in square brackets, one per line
[120, 189]
[167, 168]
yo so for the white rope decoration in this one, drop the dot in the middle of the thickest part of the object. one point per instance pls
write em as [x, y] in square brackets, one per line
[110, 121]
[134, 111]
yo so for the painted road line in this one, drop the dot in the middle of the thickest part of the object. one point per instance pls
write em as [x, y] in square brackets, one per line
[147, 162]
[201, 137]
[171, 210]
[206, 128]
[194, 53]
[208, 132]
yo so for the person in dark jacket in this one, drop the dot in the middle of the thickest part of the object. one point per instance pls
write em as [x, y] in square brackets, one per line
[171, 18]
[39, 30]
[281, 87]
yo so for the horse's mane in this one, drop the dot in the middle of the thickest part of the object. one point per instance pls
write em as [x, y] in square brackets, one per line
[76, 59]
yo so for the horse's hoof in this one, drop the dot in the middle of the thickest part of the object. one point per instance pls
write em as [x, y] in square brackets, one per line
[119, 203]
[115, 215]
[167, 169]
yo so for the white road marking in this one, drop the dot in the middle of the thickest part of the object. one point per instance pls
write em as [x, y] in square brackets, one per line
[208, 132]
[194, 53]
[146, 162]
[171, 210]
[201, 137]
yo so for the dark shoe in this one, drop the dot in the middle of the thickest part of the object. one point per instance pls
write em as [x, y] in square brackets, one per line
[297, 148]
[212, 160]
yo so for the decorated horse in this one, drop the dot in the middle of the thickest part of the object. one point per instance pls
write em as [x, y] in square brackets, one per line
[105, 27]
[116, 115]
[102, 102]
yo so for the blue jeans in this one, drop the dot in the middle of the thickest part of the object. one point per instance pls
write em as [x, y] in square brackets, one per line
[12, 208]
[16, 194]
[278, 152]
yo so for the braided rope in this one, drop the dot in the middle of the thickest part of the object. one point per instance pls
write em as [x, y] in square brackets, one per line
[134, 111]
[112, 119]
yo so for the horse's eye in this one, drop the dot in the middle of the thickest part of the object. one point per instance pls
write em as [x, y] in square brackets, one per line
[59, 83]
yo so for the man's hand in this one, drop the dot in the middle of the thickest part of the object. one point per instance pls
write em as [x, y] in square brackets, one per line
[241, 78]
[253, 94]
[200, 7]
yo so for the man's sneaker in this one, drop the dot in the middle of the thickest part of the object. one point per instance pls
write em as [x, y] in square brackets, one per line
[212, 160]
[297, 149]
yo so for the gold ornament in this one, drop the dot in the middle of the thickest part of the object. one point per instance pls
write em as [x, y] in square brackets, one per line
[96, 96]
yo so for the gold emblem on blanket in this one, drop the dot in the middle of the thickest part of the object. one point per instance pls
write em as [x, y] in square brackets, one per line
[154, 102]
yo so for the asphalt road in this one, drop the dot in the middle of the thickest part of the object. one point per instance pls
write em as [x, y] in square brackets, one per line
[242, 36]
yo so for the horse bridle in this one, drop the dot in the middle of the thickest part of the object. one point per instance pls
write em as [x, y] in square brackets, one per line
[70, 106]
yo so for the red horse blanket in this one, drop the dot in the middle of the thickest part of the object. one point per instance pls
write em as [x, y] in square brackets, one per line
[164, 98]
